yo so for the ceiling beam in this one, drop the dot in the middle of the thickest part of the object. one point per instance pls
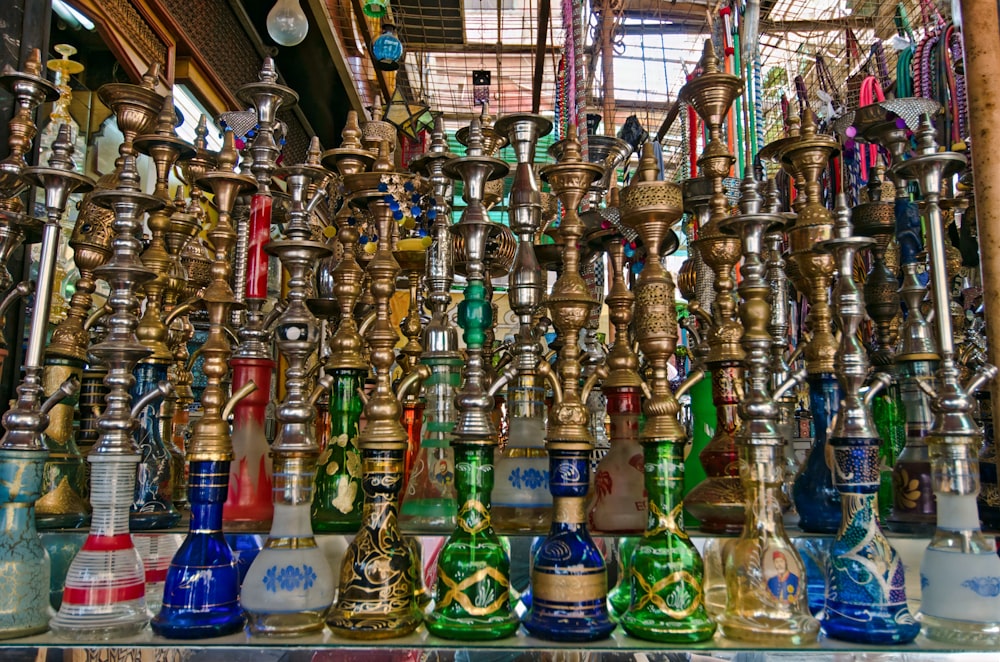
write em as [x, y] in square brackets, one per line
[544, 9]
[827, 25]
[477, 48]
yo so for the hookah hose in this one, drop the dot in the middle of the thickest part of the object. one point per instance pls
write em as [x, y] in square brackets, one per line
[871, 91]
[904, 74]
[956, 66]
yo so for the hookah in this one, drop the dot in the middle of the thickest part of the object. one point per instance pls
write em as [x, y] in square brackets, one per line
[804, 154]
[411, 255]
[104, 595]
[201, 591]
[866, 598]
[765, 580]
[23, 600]
[64, 493]
[522, 500]
[913, 505]
[960, 603]
[248, 505]
[567, 557]
[289, 586]
[376, 598]
[876, 219]
[620, 501]
[718, 500]
[666, 571]
[153, 506]
[337, 502]
[428, 502]
[473, 585]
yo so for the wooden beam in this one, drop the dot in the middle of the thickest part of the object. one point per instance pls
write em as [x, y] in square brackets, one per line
[477, 48]
[544, 10]
[363, 26]
[828, 25]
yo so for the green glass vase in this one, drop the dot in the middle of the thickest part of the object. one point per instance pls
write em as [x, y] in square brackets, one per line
[473, 587]
[667, 572]
[339, 495]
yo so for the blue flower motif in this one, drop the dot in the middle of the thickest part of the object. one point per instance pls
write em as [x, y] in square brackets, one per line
[271, 579]
[987, 587]
[308, 577]
[290, 578]
[383, 187]
[534, 478]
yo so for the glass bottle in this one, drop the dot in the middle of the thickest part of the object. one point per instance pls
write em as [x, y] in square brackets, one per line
[336, 506]
[473, 568]
[428, 501]
[816, 499]
[619, 503]
[913, 503]
[64, 488]
[412, 420]
[155, 550]
[152, 507]
[248, 504]
[522, 501]
[890, 421]
[199, 599]
[703, 429]
[667, 572]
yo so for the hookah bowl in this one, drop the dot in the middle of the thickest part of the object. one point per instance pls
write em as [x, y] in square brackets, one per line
[25, 563]
[337, 503]
[201, 591]
[289, 586]
[960, 603]
[473, 586]
[718, 500]
[816, 499]
[104, 595]
[428, 501]
[866, 598]
[766, 597]
[376, 598]
[666, 571]
[567, 557]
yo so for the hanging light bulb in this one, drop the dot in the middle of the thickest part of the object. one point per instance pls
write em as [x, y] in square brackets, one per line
[287, 23]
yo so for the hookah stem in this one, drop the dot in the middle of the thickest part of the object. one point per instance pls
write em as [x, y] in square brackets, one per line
[259, 234]
[939, 281]
[43, 296]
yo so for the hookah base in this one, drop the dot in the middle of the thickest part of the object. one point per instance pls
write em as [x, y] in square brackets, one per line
[581, 622]
[352, 625]
[262, 526]
[792, 631]
[321, 525]
[26, 631]
[201, 624]
[125, 625]
[859, 625]
[667, 630]
[62, 521]
[288, 624]
[923, 526]
[472, 629]
[965, 633]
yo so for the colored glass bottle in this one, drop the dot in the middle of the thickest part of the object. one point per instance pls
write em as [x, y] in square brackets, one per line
[667, 572]
[428, 501]
[816, 499]
[473, 586]
[199, 596]
[337, 504]
[248, 504]
[703, 419]
[620, 496]
[890, 421]
[153, 506]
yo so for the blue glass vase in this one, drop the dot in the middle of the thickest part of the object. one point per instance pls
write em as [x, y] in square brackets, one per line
[153, 506]
[816, 499]
[24, 580]
[201, 594]
[866, 601]
[569, 581]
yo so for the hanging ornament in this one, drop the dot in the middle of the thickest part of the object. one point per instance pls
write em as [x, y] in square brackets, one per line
[387, 49]
[481, 79]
